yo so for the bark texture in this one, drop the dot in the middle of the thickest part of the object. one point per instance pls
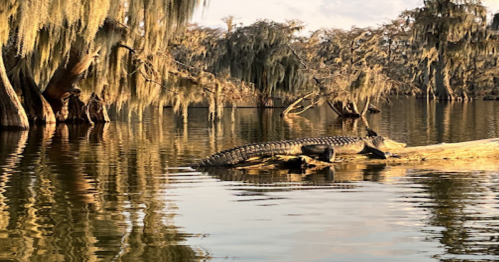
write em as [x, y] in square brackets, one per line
[12, 113]
[97, 109]
[78, 110]
[442, 81]
[38, 109]
[64, 80]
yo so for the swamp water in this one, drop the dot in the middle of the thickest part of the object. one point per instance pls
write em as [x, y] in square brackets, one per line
[124, 191]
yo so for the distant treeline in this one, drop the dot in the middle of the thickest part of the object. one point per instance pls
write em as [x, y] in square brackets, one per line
[444, 50]
[66, 61]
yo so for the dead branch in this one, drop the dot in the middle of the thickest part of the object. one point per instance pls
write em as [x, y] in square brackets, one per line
[295, 105]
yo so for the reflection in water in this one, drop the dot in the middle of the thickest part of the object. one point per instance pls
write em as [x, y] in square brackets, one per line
[339, 176]
[463, 212]
[122, 192]
[73, 195]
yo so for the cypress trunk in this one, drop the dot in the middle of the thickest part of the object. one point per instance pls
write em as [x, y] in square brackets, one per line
[62, 84]
[78, 111]
[442, 81]
[265, 102]
[37, 108]
[97, 109]
[426, 85]
[12, 113]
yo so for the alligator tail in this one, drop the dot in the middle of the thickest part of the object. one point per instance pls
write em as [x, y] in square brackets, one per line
[240, 154]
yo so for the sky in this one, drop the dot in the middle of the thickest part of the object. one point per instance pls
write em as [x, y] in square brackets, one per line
[315, 13]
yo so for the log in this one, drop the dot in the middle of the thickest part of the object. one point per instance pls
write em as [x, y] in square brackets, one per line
[463, 151]
[486, 148]
[280, 161]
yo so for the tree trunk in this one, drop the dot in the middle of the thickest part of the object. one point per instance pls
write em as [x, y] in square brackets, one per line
[366, 107]
[495, 89]
[426, 87]
[442, 82]
[78, 111]
[64, 80]
[12, 113]
[97, 109]
[38, 109]
[265, 102]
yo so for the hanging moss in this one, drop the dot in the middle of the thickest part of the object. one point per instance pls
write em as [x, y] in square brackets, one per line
[261, 54]
[125, 34]
[454, 37]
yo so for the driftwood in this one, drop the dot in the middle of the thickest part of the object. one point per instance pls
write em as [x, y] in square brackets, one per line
[464, 151]
[449, 151]
[296, 105]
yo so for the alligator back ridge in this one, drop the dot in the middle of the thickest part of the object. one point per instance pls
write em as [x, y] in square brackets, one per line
[284, 147]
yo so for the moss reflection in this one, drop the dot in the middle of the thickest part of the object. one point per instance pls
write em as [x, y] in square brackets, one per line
[82, 193]
[458, 205]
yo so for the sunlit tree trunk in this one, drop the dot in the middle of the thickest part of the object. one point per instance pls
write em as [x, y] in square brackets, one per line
[64, 80]
[265, 99]
[442, 83]
[12, 113]
[37, 108]
[97, 109]
[21, 78]
[77, 110]
[426, 84]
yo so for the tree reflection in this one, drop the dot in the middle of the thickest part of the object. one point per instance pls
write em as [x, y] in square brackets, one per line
[104, 192]
[79, 193]
[458, 204]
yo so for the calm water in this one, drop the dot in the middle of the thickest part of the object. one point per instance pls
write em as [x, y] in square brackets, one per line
[124, 191]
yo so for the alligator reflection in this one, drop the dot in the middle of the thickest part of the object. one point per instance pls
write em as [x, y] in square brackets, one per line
[336, 177]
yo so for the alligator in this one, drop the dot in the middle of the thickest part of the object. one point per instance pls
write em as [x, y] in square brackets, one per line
[325, 148]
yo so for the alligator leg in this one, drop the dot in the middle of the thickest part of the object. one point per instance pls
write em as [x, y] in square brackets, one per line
[376, 152]
[325, 152]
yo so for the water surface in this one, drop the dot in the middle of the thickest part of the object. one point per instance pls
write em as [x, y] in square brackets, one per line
[125, 192]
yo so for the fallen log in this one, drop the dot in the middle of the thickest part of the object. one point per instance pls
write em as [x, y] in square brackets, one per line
[466, 151]
[484, 148]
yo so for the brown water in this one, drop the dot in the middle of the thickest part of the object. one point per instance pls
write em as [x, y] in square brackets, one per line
[124, 191]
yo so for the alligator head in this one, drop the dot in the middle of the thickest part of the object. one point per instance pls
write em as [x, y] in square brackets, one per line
[386, 144]
[383, 143]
